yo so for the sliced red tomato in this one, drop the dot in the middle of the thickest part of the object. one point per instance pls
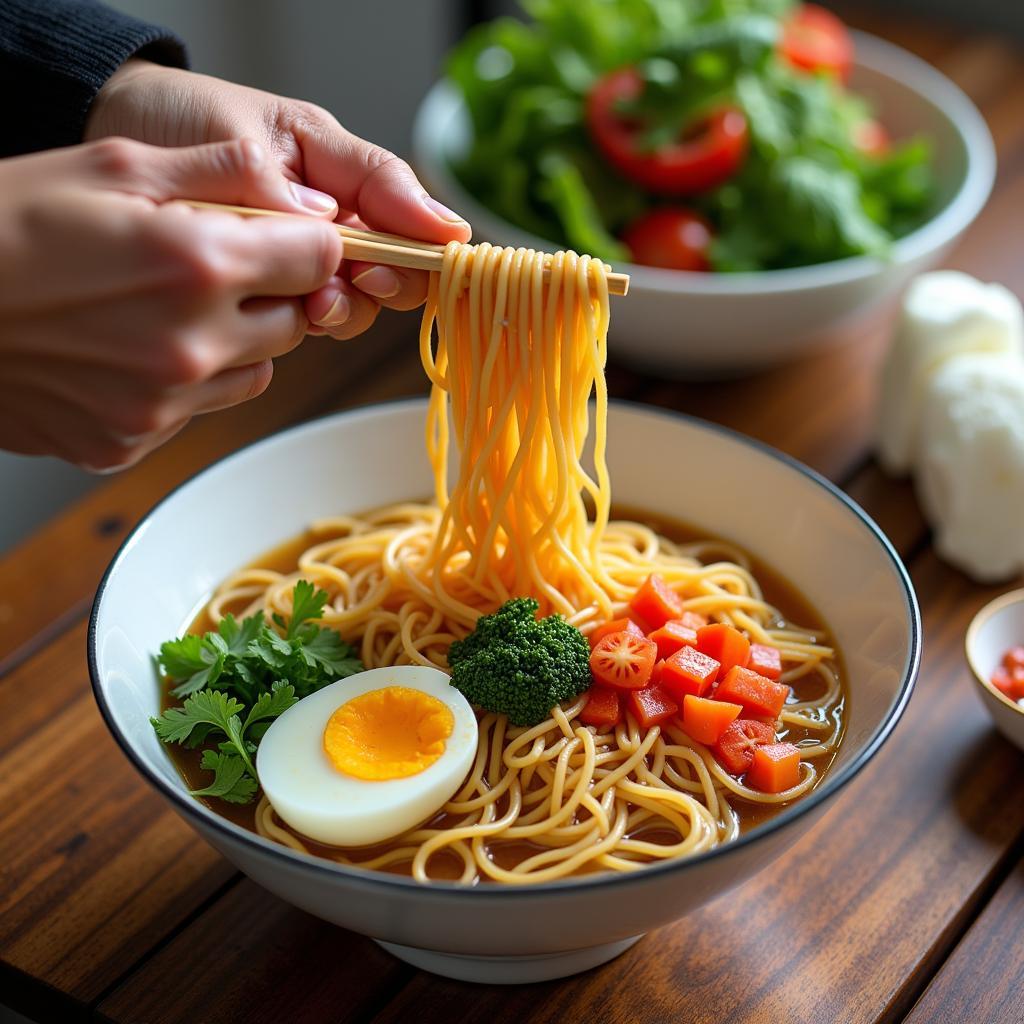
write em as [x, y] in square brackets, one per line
[603, 707]
[652, 705]
[735, 748]
[623, 660]
[710, 152]
[615, 626]
[814, 39]
[656, 602]
[871, 138]
[676, 239]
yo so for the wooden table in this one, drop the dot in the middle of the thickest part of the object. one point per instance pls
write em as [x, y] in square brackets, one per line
[903, 903]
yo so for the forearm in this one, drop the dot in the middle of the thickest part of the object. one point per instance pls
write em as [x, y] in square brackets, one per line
[55, 55]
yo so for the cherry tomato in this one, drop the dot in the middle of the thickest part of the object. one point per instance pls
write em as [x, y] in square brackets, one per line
[814, 39]
[871, 138]
[623, 660]
[677, 239]
[735, 748]
[709, 153]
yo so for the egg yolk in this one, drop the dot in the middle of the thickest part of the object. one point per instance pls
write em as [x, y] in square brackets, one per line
[390, 733]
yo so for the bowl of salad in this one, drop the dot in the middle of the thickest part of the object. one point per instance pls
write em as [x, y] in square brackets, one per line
[762, 173]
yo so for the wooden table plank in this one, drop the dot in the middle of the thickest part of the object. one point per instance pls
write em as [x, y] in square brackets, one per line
[983, 980]
[94, 868]
[304, 971]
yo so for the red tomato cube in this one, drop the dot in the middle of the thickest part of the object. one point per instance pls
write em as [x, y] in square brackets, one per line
[673, 636]
[688, 671]
[757, 694]
[652, 705]
[765, 661]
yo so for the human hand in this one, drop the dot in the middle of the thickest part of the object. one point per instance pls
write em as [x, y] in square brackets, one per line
[375, 189]
[122, 315]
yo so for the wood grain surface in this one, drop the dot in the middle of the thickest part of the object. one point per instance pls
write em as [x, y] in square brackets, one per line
[904, 899]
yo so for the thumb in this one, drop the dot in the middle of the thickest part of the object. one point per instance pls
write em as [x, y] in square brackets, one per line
[239, 172]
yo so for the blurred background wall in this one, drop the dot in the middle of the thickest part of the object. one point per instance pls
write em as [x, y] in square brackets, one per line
[368, 62]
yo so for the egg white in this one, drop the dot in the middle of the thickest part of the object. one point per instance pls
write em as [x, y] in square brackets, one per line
[317, 800]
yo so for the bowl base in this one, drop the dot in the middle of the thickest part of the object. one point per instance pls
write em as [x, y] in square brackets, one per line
[509, 970]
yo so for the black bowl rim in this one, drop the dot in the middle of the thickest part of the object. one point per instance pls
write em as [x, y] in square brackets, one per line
[192, 810]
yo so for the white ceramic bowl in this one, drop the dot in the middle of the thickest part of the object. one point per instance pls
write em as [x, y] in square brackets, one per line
[689, 324]
[267, 493]
[992, 632]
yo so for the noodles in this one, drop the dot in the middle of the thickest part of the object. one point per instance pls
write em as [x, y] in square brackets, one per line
[514, 361]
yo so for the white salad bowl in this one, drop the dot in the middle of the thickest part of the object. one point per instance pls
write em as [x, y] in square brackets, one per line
[257, 498]
[692, 324]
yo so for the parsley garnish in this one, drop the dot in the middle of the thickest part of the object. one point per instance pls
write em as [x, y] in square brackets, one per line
[259, 673]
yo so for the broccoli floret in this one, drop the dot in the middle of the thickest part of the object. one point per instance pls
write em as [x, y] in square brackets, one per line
[519, 665]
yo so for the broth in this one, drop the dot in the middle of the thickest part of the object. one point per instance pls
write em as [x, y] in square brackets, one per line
[777, 591]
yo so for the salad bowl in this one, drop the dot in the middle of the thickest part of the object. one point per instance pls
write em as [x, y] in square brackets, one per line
[691, 324]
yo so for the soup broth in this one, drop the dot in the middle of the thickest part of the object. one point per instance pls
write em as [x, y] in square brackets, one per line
[794, 610]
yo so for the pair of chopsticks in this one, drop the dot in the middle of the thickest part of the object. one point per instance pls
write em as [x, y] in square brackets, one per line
[377, 247]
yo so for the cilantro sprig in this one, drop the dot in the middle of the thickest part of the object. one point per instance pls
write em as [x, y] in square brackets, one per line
[259, 672]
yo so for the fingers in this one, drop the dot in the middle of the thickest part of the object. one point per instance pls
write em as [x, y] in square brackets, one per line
[340, 309]
[370, 181]
[239, 172]
[286, 256]
[394, 287]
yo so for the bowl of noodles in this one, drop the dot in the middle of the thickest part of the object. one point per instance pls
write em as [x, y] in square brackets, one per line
[562, 841]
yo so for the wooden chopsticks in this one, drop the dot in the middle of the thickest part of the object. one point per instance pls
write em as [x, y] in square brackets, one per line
[377, 247]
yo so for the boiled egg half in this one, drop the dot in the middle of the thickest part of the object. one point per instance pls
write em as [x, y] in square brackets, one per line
[370, 756]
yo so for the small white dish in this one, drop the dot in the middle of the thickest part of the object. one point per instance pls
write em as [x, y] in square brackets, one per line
[689, 324]
[257, 498]
[992, 632]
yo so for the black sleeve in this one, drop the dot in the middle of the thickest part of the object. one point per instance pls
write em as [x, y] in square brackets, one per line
[54, 57]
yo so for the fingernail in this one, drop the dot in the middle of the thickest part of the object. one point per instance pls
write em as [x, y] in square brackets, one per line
[339, 312]
[379, 282]
[311, 199]
[442, 211]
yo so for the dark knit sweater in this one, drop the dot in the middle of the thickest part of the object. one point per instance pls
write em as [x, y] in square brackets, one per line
[54, 57]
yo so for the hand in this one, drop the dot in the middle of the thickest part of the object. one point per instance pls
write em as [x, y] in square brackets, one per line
[123, 315]
[169, 107]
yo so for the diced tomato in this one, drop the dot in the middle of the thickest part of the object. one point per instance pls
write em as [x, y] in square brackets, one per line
[623, 660]
[655, 602]
[735, 748]
[603, 707]
[757, 694]
[1013, 658]
[765, 661]
[707, 151]
[688, 671]
[1009, 682]
[727, 645]
[871, 138]
[652, 705]
[673, 636]
[705, 720]
[693, 619]
[814, 39]
[676, 239]
[774, 768]
[615, 626]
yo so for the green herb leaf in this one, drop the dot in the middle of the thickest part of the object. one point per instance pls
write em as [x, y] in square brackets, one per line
[209, 707]
[270, 705]
[231, 781]
[307, 603]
